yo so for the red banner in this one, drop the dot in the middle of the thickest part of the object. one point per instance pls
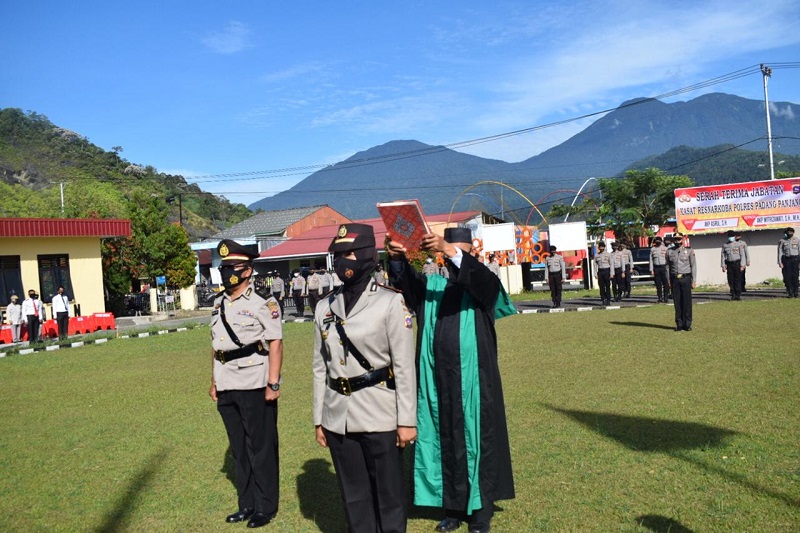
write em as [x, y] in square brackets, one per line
[754, 205]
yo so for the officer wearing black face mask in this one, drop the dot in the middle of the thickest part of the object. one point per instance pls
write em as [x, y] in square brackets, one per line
[365, 387]
[246, 358]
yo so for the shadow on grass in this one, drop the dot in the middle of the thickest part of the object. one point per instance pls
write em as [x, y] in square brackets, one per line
[650, 434]
[229, 467]
[643, 325]
[661, 524]
[670, 437]
[319, 496]
[118, 518]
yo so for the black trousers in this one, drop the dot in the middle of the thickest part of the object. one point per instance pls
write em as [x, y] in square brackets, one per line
[662, 283]
[313, 298]
[618, 283]
[252, 426]
[369, 468]
[34, 325]
[682, 296]
[300, 307]
[554, 279]
[627, 281]
[62, 318]
[277, 296]
[604, 282]
[791, 267]
[734, 270]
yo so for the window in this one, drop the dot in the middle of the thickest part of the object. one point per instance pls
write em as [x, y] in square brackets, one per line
[54, 273]
[10, 279]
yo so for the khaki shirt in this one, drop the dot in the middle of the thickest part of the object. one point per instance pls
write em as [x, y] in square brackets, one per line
[604, 260]
[788, 248]
[380, 326]
[555, 263]
[252, 318]
[277, 287]
[731, 251]
[681, 261]
[658, 256]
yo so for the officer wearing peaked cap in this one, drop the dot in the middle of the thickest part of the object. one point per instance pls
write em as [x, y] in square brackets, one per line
[365, 388]
[682, 271]
[246, 358]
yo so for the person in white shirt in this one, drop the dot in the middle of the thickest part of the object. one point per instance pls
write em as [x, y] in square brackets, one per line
[60, 305]
[14, 311]
[33, 315]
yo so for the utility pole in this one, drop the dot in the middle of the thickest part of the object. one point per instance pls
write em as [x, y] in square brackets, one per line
[767, 72]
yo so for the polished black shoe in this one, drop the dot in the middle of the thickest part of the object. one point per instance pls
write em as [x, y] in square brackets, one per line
[678, 328]
[687, 328]
[448, 524]
[482, 527]
[259, 520]
[240, 515]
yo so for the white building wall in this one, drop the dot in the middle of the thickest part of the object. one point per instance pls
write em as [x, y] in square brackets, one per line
[763, 248]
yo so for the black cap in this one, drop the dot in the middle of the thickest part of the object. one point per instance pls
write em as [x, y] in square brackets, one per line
[455, 235]
[352, 237]
[601, 244]
[789, 230]
[232, 252]
[552, 248]
[658, 239]
[677, 235]
[730, 233]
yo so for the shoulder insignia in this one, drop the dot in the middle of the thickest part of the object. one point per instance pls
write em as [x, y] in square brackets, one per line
[272, 305]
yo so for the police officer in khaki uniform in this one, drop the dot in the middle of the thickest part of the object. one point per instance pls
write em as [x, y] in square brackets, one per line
[658, 269]
[365, 388]
[246, 358]
[732, 262]
[278, 289]
[620, 261]
[604, 271]
[556, 271]
[789, 262]
[682, 270]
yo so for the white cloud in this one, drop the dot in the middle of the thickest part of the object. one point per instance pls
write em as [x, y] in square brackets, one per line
[776, 111]
[233, 38]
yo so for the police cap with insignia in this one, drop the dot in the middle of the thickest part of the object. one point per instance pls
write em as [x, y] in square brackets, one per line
[352, 237]
[456, 235]
[231, 252]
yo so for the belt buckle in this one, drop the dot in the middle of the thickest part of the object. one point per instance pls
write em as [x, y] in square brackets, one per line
[344, 386]
[678, 276]
[220, 356]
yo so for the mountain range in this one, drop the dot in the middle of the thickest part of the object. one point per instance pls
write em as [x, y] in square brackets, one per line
[638, 130]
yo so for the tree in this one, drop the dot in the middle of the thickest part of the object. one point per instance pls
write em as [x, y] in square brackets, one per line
[630, 205]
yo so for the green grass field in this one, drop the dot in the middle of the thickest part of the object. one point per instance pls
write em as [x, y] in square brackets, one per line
[617, 424]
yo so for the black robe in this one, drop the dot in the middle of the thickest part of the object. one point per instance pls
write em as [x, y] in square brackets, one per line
[494, 468]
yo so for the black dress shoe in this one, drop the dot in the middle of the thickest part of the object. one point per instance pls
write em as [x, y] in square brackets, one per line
[687, 328]
[448, 524]
[240, 515]
[678, 328]
[259, 520]
[481, 527]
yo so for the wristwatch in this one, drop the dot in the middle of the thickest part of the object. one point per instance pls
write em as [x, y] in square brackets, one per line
[274, 386]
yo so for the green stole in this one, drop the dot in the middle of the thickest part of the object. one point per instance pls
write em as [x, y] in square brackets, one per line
[428, 484]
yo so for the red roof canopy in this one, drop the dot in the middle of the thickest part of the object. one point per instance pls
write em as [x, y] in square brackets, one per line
[316, 241]
[64, 227]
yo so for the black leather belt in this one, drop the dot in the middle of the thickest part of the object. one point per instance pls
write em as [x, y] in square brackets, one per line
[679, 276]
[347, 386]
[225, 356]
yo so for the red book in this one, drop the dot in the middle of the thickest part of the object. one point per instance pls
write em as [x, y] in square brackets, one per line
[405, 222]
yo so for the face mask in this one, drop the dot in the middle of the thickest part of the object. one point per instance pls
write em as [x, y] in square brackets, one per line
[34, 296]
[731, 239]
[350, 270]
[231, 276]
[429, 260]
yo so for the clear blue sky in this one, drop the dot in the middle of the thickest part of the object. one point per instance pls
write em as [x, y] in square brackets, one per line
[208, 88]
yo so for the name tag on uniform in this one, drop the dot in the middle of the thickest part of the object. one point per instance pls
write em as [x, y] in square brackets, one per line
[328, 320]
